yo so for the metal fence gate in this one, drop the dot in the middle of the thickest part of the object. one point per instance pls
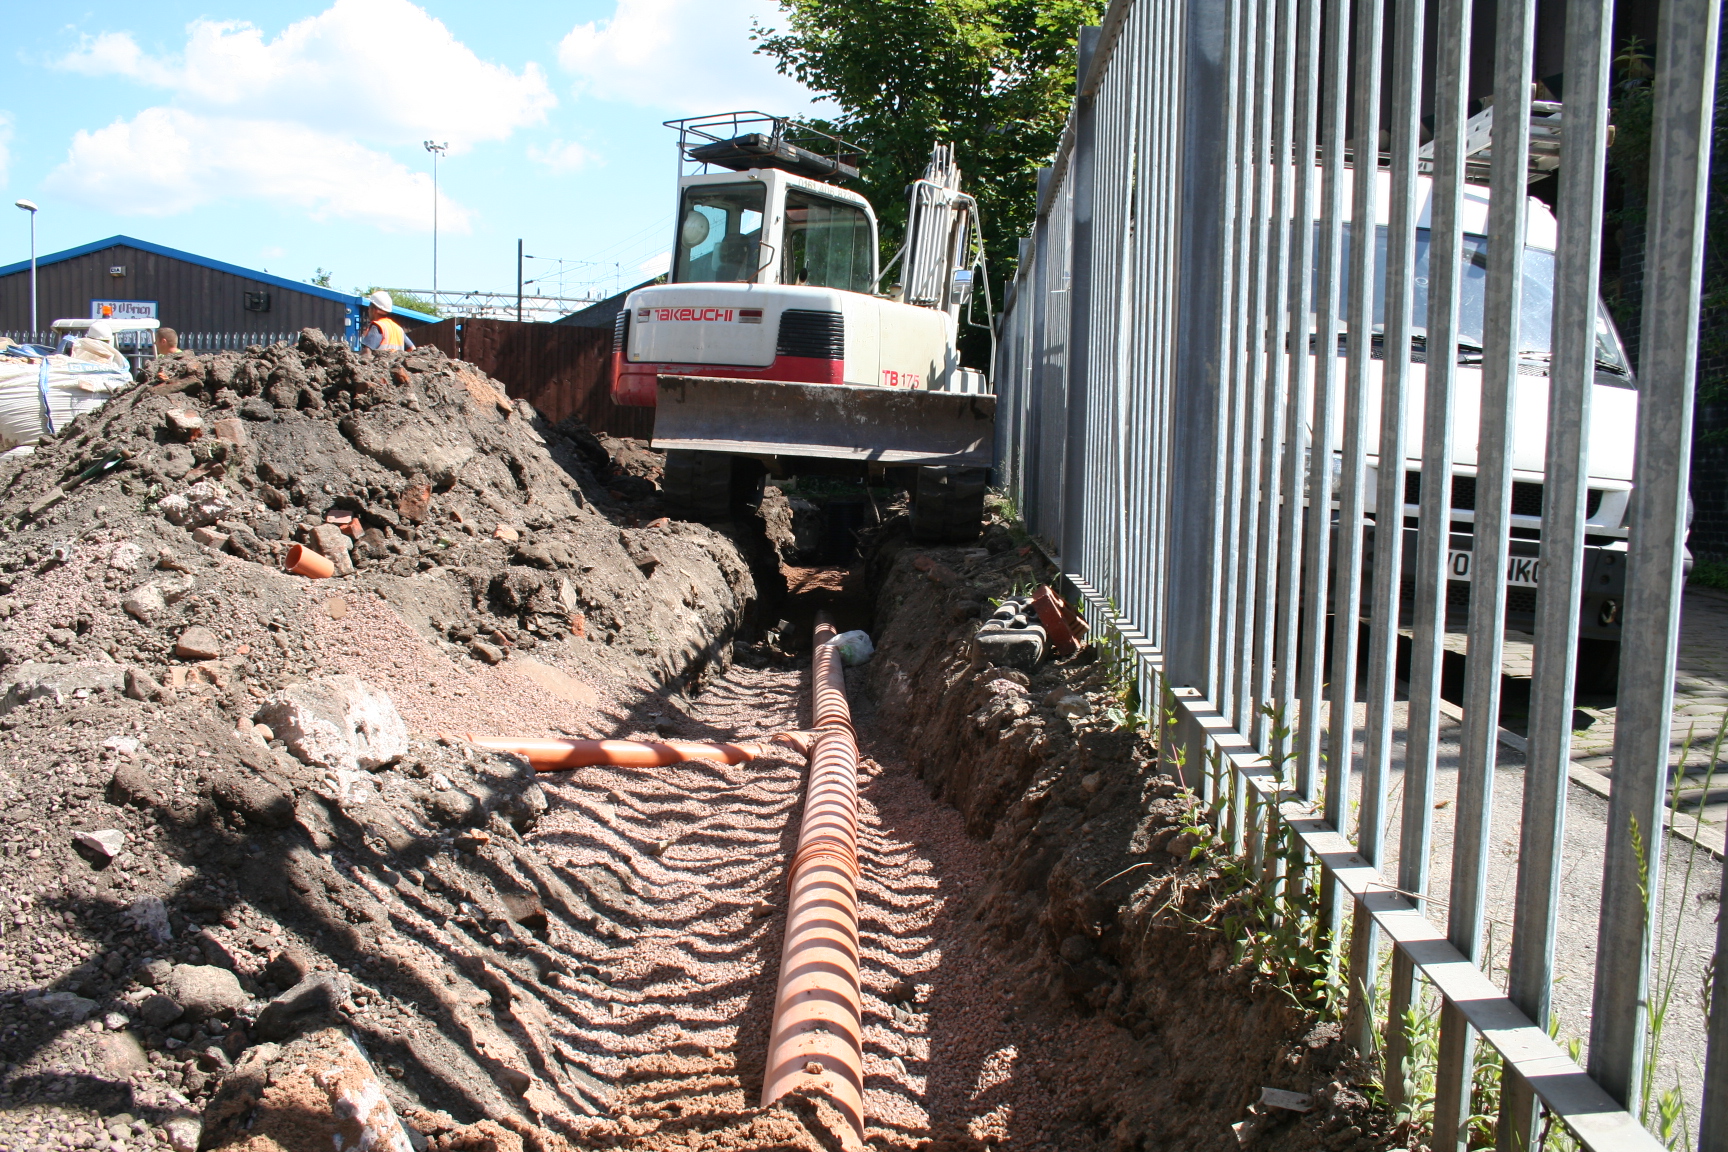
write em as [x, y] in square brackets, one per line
[1172, 411]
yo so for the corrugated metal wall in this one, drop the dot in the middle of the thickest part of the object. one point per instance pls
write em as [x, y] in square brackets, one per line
[562, 370]
[189, 296]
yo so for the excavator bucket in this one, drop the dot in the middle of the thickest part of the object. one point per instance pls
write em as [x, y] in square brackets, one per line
[841, 422]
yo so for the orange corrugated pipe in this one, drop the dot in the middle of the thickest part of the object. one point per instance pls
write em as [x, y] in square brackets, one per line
[816, 1039]
[549, 755]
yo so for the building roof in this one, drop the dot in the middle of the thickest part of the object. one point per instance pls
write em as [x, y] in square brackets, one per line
[347, 298]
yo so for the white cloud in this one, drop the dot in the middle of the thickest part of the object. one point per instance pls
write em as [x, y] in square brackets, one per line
[168, 160]
[383, 71]
[560, 156]
[689, 57]
[656, 265]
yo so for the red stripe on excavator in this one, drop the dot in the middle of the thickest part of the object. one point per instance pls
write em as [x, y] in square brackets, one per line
[634, 385]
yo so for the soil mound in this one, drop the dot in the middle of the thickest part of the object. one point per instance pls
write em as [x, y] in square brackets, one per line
[229, 812]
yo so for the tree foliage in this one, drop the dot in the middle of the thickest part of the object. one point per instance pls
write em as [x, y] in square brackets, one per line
[993, 77]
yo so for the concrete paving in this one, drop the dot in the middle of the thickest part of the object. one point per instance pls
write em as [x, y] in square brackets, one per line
[1700, 707]
[1691, 866]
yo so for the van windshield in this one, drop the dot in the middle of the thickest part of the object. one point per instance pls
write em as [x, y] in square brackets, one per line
[719, 234]
[1536, 317]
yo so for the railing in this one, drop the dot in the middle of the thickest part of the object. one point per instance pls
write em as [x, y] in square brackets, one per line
[189, 341]
[231, 341]
[1165, 431]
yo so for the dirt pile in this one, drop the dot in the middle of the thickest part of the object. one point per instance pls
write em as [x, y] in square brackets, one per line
[228, 815]
[1121, 940]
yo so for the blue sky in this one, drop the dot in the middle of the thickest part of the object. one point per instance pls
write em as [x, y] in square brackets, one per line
[292, 141]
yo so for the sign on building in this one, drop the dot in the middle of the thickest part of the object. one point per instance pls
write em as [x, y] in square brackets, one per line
[123, 309]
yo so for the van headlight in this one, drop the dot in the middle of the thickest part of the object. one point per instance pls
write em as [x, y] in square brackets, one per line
[1307, 465]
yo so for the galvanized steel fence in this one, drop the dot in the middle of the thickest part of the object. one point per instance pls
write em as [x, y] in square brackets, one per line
[189, 341]
[1172, 413]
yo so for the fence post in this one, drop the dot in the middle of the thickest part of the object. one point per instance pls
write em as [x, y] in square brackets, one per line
[1668, 360]
[1081, 169]
[1196, 464]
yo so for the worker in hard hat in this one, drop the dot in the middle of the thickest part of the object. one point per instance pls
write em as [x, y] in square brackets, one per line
[382, 332]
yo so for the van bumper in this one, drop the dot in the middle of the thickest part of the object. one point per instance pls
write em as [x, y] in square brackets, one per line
[1600, 607]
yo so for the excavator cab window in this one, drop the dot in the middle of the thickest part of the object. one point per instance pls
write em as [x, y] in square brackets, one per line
[827, 244]
[720, 234]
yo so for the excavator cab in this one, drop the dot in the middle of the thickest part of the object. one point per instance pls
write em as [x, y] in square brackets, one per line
[771, 348]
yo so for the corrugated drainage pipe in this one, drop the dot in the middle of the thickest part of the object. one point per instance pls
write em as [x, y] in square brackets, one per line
[816, 1040]
[548, 755]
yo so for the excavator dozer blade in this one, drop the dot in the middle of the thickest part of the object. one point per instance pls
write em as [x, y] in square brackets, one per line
[842, 422]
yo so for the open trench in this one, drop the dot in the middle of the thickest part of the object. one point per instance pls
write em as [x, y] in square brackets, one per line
[1016, 991]
[589, 958]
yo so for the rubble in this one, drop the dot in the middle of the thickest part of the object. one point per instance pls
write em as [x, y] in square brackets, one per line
[336, 722]
[108, 843]
[264, 753]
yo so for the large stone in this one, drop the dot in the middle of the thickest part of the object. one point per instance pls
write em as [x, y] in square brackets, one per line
[107, 844]
[335, 545]
[144, 603]
[148, 601]
[286, 969]
[336, 722]
[141, 686]
[183, 1132]
[27, 682]
[416, 501]
[150, 916]
[64, 1006]
[159, 1011]
[204, 990]
[318, 1092]
[122, 1056]
[410, 443]
[197, 643]
[204, 503]
[317, 994]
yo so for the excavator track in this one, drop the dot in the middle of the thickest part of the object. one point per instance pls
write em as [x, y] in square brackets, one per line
[698, 484]
[948, 504]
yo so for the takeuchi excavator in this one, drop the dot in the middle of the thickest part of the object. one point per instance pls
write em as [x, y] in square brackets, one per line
[777, 349]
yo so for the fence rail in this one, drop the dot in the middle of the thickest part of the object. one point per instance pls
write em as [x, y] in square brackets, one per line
[189, 341]
[1172, 416]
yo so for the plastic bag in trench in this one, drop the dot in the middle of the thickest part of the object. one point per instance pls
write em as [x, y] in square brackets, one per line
[855, 647]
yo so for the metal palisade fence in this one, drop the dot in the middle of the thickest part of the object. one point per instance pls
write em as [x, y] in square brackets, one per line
[1200, 353]
[189, 341]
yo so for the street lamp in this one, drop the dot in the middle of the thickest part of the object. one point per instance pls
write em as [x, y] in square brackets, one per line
[437, 150]
[31, 208]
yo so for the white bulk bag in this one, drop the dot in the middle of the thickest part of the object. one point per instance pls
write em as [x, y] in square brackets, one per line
[72, 385]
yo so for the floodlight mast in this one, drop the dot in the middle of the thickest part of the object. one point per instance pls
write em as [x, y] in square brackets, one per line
[30, 207]
[437, 150]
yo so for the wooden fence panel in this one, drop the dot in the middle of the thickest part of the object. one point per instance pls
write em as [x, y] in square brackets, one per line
[561, 370]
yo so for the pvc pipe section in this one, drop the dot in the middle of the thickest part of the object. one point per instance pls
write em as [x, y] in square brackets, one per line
[816, 1040]
[558, 755]
[303, 561]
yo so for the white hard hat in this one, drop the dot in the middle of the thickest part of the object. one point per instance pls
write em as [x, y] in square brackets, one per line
[100, 331]
[381, 301]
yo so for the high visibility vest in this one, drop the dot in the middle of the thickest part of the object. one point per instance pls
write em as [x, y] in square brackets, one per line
[392, 334]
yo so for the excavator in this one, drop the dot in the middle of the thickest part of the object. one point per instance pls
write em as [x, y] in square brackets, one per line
[778, 348]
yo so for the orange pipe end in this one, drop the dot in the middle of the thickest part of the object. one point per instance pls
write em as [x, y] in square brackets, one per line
[303, 561]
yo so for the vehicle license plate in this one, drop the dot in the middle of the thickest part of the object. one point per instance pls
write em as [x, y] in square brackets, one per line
[1520, 570]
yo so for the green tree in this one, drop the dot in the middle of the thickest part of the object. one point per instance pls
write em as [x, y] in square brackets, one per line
[403, 299]
[993, 77]
[321, 277]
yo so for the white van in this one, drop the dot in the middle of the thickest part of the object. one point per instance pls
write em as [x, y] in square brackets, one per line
[1609, 436]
